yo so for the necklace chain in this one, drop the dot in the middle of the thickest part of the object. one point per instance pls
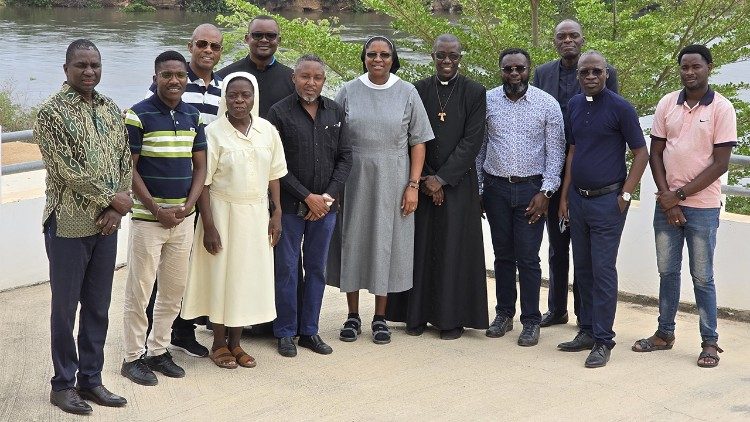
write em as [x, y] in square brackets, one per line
[442, 113]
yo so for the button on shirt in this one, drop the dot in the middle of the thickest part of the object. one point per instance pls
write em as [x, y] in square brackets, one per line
[600, 129]
[318, 157]
[691, 135]
[523, 137]
[85, 151]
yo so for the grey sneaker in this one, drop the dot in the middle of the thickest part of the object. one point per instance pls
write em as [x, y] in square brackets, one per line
[501, 325]
[529, 335]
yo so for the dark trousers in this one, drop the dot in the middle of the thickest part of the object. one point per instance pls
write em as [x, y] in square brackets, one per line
[559, 263]
[516, 245]
[80, 270]
[312, 238]
[596, 227]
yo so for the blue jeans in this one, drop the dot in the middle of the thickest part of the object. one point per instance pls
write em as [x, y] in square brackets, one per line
[317, 238]
[516, 245]
[595, 229]
[699, 232]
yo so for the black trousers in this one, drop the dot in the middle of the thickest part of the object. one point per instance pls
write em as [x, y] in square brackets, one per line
[81, 270]
[559, 263]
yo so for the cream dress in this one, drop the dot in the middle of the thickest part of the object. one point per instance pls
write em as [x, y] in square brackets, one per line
[235, 287]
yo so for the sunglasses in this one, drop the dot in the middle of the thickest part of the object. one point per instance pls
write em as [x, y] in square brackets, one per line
[202, 44]
[373, 54]
[169, 75]
[270, 36]
[510, 69]
[586, 72]
[439, 55]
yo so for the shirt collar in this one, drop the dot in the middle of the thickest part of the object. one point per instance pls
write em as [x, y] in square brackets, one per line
[255, 66]
[598, 96]
[707, 99]
[159, 104]
[450, 81]
[320, 100]
[72, 96]
[195, 79]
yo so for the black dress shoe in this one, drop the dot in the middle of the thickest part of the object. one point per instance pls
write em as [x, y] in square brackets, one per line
[315, 343]
[69, 401]
[164, 364]
[416, 331]
[101, 396]
[598, 357]
[581, 342]
[287, 348]
[453, 334]
[501, 325]
[529, 335]
[138, 372]
[549, 319]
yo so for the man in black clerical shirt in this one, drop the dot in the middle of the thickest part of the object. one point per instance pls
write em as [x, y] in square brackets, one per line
[450, 285]
[319, 161]
[274, 79]
[559, 79]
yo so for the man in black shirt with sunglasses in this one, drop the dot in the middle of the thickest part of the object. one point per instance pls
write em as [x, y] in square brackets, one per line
[274, 78]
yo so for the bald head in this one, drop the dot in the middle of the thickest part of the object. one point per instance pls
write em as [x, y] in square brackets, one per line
[593, 54]
[445, 38]
[569, 24]
[201, 31]
[205, 49]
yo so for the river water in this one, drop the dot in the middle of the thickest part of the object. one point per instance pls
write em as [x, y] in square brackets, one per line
[36, 39]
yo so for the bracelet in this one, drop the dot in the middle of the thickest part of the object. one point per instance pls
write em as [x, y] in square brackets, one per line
[414, 181]
[412, 184]
[157, 212]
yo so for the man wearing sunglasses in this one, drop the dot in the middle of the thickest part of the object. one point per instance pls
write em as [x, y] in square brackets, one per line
[595, 198]
[558, 78]
[450, 283]
[168, 148]
[274, 78]
[202, 91]
[519, 169]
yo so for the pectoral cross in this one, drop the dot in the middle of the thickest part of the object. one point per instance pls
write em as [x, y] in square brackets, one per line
[442, 115]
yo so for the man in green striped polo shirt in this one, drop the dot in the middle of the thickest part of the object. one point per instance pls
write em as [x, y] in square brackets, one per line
[168, 146]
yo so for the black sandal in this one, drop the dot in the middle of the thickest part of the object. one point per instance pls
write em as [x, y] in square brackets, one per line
[646, 345]
[711, 355]
[381, 334]
[351, 329]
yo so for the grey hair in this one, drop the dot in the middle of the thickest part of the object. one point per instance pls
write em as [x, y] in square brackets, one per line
[448, 38]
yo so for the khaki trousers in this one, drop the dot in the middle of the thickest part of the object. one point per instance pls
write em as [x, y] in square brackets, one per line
[154, 252]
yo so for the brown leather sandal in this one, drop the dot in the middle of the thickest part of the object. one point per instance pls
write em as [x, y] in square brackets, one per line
[242, 358]
[709, 354]
[223, 358]
[647, 344]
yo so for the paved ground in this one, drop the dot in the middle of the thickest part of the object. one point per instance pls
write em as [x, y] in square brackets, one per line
[425, 378]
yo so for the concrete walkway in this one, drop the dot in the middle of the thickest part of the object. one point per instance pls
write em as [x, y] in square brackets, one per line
[422, 378]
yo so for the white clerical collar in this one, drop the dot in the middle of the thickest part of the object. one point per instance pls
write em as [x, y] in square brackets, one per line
[392, 79]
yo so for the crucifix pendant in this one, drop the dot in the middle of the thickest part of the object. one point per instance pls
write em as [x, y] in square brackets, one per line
[442, 116]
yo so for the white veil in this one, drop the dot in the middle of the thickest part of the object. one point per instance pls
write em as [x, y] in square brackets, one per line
[225, 83]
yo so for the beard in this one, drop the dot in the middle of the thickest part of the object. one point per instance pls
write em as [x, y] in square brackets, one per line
[308, 99]
[516, 88]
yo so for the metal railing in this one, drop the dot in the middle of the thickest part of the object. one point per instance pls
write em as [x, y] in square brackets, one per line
[27, 135]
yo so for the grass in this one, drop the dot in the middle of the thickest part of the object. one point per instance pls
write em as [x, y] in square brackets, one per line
[14, 117]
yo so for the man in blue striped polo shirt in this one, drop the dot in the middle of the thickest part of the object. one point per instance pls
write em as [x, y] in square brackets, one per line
[202, 91]
[168, 147]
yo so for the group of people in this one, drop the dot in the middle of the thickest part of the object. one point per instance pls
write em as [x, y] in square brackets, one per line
[250, 191]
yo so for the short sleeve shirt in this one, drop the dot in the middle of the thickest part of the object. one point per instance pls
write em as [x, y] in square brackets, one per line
[691, 135]
[600, 128]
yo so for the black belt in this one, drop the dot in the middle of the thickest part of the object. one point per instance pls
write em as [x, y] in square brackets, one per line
[519, 179]
[593, 193]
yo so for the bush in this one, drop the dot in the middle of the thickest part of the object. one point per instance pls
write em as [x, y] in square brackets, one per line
[13, 117]
[205, 6]
[138, 6]
[29, 3]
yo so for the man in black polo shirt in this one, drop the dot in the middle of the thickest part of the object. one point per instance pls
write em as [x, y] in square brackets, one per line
[558, 79]
[274, 79]
[595, 198]
[319, 161]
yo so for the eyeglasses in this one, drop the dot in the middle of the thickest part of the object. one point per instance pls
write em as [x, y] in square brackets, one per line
[169, 75]
[270, 36]
[586, 72]
[373, 54]
[439, 55]
[511, 69]
[202, 44]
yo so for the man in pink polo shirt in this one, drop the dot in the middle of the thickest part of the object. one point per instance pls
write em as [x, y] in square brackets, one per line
[692, 137]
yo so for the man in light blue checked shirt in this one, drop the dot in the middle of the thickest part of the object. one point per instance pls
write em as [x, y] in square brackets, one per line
[519, 169]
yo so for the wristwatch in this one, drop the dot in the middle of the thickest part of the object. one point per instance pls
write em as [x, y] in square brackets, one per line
[626, 196]
[681, 194]
[547, 193]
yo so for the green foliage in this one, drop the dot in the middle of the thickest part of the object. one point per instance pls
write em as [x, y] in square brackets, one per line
[138, 6]
[13, 117]
[29, 3]
[205, 6]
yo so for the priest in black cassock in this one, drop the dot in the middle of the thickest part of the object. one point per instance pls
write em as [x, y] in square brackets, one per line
[450, 285]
